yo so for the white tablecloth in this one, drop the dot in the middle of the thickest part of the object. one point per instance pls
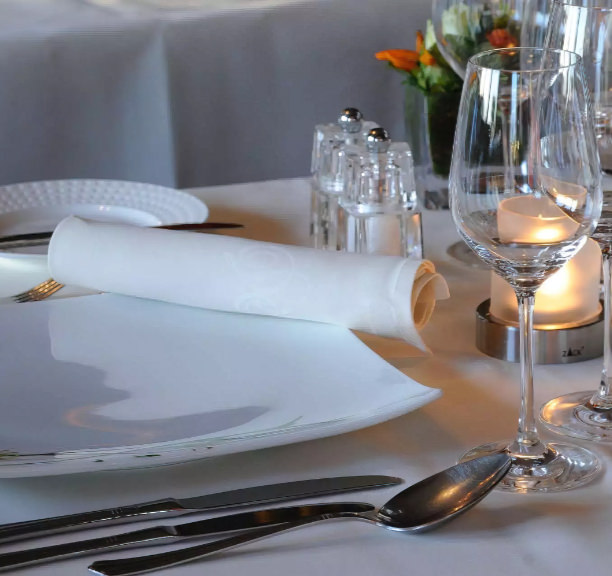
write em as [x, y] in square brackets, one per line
[550, 534]
[190, 92]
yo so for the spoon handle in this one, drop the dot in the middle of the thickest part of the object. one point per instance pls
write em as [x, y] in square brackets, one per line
[140, 564]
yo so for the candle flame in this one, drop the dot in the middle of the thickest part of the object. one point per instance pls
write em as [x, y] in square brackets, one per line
[533, 220]
[548, 234]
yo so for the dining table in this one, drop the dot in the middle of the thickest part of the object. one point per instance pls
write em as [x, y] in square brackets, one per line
[558, 534]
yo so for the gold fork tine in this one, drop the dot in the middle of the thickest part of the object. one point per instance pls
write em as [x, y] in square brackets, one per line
[39, 292]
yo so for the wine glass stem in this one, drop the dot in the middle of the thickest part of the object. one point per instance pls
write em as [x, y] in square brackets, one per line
[602, 398]
[527, 443]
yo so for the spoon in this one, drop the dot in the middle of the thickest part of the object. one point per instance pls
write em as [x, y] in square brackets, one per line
[420, 507]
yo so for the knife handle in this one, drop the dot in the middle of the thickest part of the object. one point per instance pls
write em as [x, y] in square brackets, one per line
[30, 528]
[144, 537]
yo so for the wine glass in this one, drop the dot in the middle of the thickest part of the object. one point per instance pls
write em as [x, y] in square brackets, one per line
[586, 28]
[505, 209]
[466, 27]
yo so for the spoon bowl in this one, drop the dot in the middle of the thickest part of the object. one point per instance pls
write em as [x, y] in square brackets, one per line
[420, 507]
[443, 496]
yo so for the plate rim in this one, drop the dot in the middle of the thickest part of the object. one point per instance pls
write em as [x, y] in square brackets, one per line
[191, 209]
[174, 452]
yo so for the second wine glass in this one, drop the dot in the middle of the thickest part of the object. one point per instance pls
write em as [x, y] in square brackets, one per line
[525, 194]
[587, 30]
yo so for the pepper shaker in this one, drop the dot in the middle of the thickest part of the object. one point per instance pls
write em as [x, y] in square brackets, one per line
[379, 204]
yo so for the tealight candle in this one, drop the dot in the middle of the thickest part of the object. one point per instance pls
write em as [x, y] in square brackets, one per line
[570, 297]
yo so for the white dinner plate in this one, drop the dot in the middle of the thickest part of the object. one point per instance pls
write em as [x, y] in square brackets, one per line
[39, 206]
[106, 382]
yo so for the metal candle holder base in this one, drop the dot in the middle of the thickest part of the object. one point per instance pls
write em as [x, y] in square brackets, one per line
[556, 346]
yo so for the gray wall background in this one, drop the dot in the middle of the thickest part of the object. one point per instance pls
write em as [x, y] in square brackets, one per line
[190, 97]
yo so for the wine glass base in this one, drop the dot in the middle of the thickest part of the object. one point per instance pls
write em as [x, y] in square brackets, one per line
[461, 252]
[572, 415]
[563, 468]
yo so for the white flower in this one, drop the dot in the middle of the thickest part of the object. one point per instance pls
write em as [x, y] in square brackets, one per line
[430, 36]
[460, 20]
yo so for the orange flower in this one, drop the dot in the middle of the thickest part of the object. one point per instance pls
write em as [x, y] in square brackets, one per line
[501, 38]
[420, 41]
[402, 59]
[427, 59]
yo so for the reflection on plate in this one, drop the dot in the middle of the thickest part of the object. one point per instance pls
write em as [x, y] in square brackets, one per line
[120, 382]
[39, 206]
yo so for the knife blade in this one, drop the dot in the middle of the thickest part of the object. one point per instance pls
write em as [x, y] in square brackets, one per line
[174, 507]
[166, 534]
[42, 238]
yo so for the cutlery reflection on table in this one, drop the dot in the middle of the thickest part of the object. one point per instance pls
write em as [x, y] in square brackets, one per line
[174, 507]
[167, 534]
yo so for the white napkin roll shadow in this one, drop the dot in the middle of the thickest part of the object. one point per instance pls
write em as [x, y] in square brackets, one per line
[383, 295]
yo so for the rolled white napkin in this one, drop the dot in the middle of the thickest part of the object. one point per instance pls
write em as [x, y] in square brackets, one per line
[383, 295]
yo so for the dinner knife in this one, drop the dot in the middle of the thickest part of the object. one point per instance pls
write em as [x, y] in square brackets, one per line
[42, 238]
[174, 507]
[167, 534]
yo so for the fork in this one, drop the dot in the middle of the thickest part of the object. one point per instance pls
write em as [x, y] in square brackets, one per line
[39, 292]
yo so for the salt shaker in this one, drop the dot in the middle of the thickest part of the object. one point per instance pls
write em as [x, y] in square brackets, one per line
[379, 205]
[327, 165]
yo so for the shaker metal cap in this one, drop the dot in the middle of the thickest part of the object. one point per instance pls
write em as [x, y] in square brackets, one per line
[350, 120]
[378, 140]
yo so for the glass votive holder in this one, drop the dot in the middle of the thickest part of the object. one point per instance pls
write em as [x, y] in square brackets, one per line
[379, 206]
[327, 164]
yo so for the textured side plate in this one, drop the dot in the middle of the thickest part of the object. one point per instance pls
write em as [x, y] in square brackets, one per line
[39, 206]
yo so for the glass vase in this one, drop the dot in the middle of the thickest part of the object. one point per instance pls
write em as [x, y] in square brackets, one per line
[430, 121]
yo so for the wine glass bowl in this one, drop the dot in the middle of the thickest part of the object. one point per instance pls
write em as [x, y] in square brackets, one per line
[525, 195]
[586, 28]
[465, 27]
